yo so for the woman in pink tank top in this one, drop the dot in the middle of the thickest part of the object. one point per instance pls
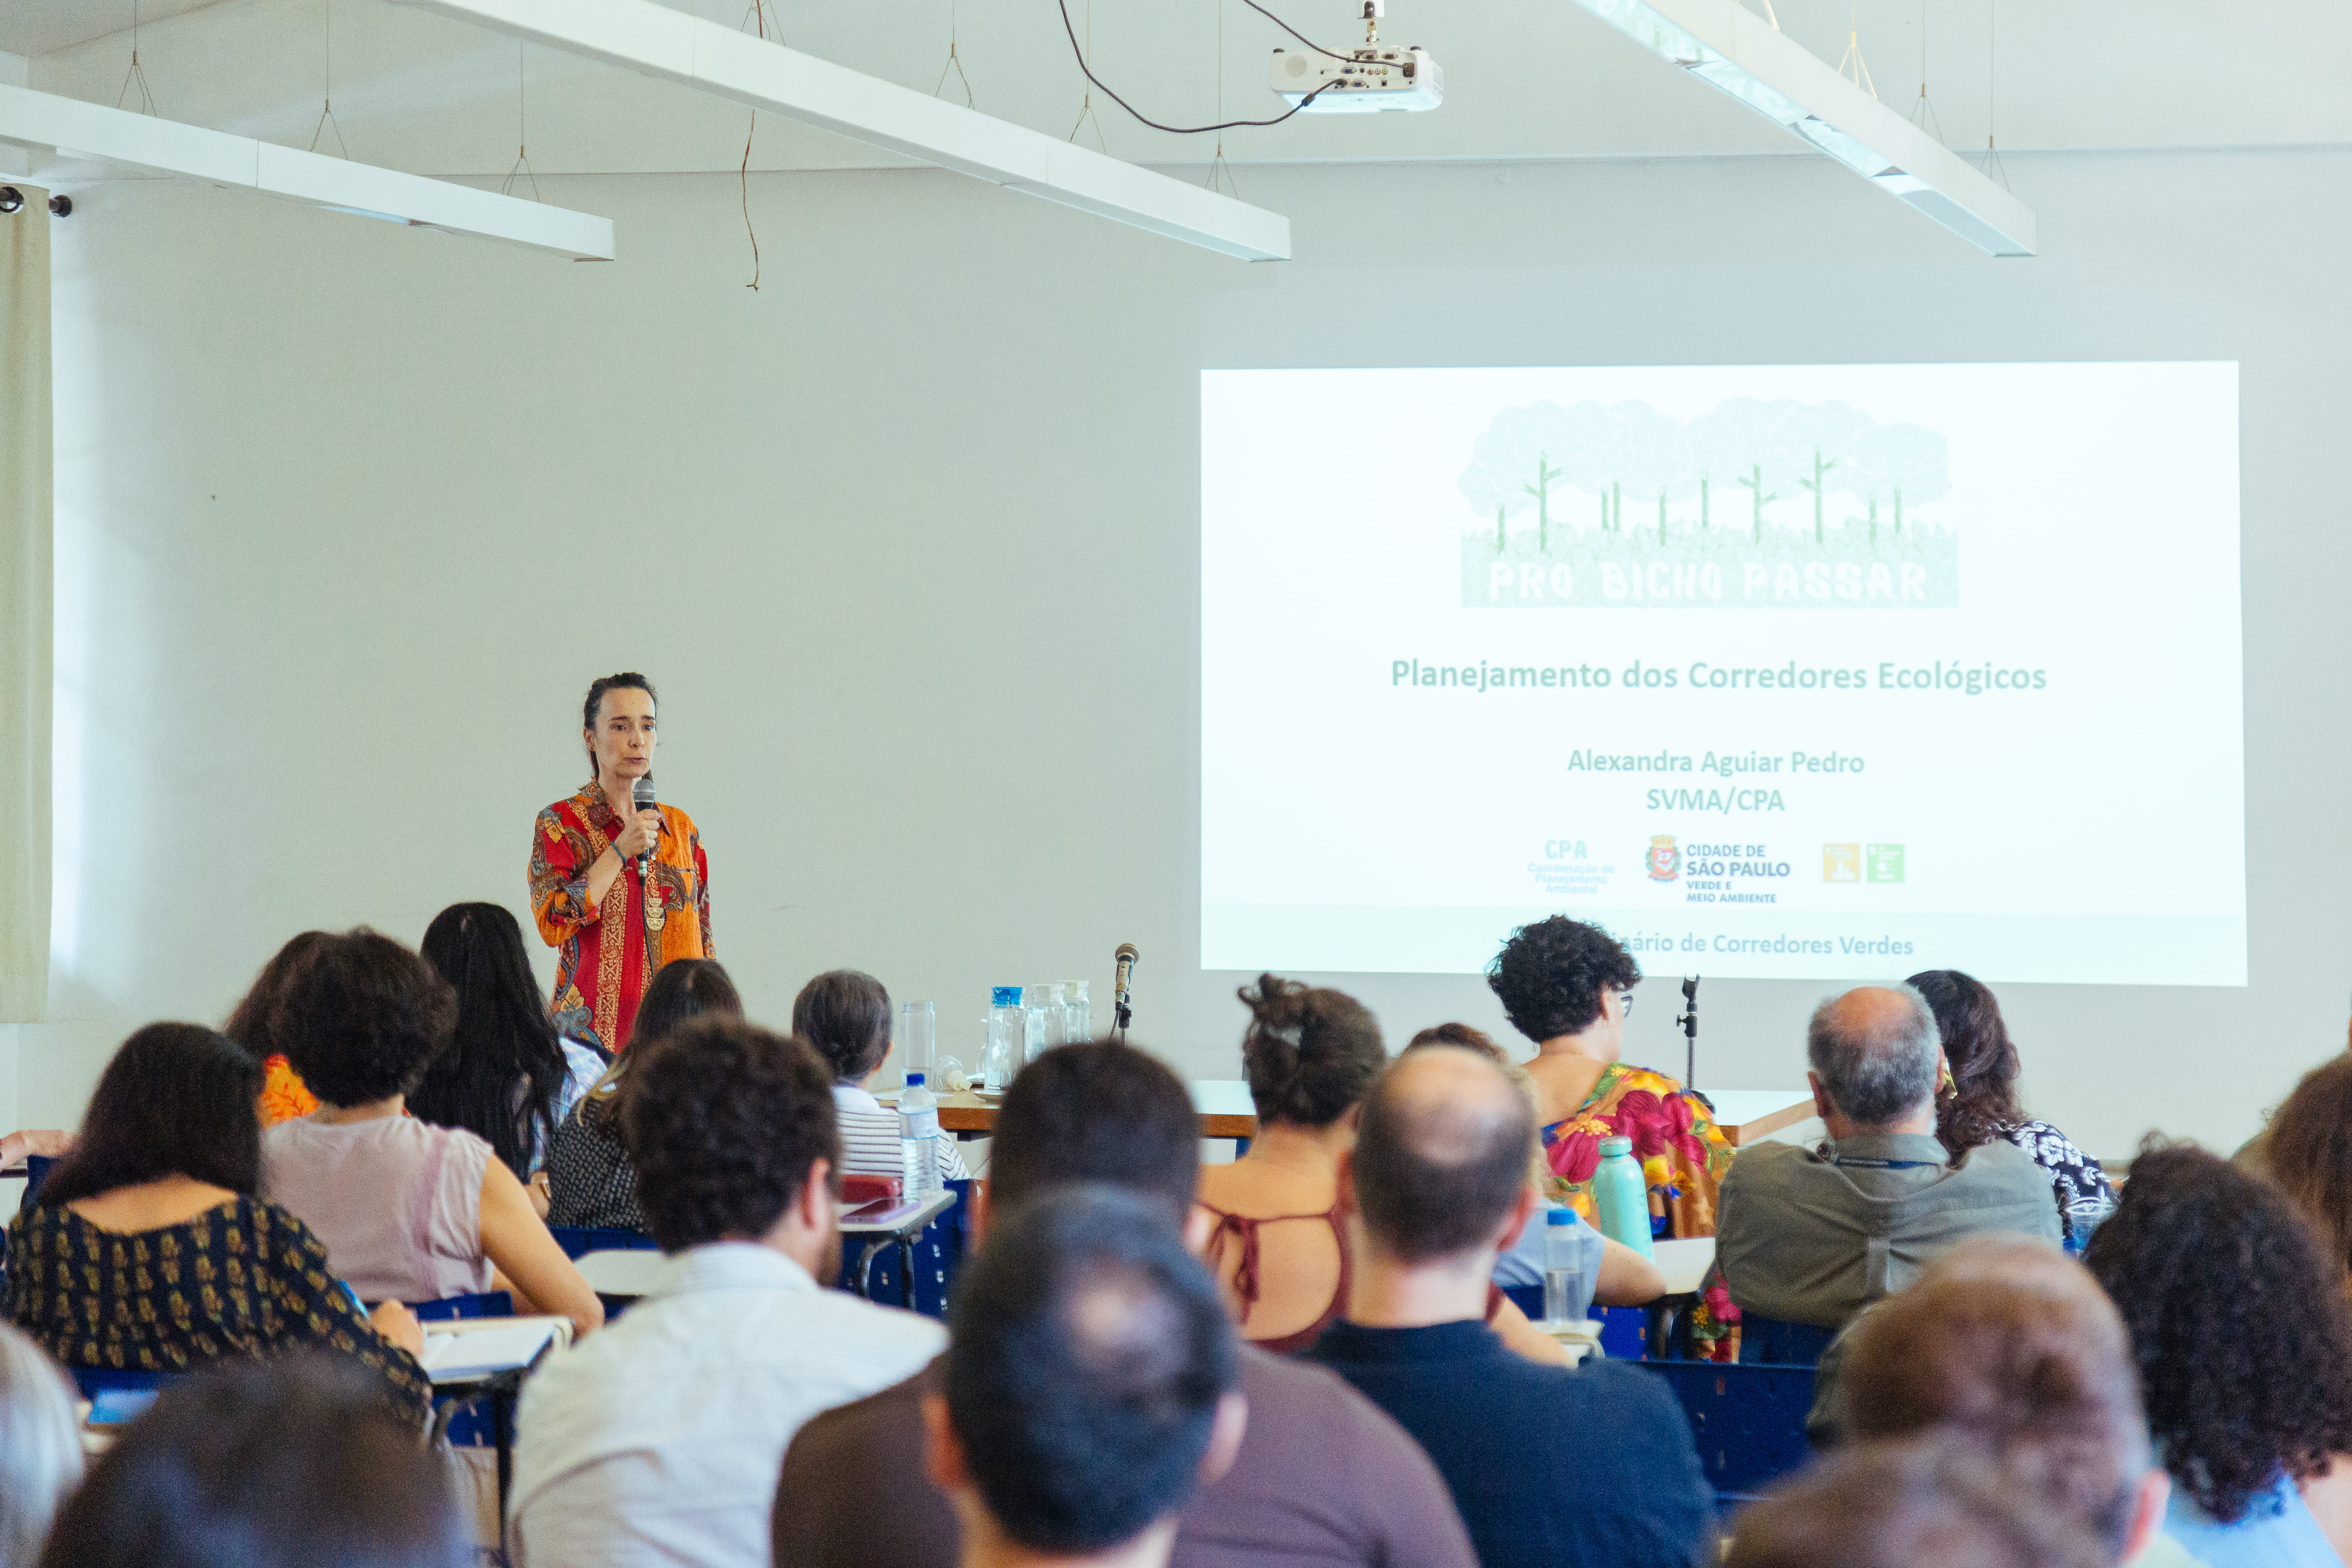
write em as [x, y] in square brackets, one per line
[407, 1210]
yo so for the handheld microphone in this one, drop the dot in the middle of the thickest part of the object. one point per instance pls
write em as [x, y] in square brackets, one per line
[641, 797]
[1122, 978]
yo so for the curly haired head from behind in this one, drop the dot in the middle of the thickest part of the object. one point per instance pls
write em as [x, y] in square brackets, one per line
[362, 1017]
[2236, 1322]
[724, 1121]
[2310, 1156]
[1550, 975]
[1982, 1056]
[1309, 1053]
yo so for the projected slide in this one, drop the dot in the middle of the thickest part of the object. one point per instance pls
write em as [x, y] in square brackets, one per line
[1812, 671]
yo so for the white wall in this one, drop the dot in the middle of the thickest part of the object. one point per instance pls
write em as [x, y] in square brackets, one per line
[349, 515]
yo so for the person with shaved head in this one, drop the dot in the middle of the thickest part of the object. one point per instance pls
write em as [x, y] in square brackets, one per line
[1547, 1464]
[1814, 1236]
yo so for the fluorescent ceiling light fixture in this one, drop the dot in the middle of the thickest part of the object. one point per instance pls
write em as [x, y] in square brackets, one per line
[41, 120]
[657, 41]
[1733, 50]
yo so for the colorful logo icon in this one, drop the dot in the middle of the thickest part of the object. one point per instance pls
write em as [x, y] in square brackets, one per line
[1885, 862]
[1841, 862]
[1666, 861]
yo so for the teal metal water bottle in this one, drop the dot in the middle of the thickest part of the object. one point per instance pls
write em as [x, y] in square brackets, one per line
[1623, 1197]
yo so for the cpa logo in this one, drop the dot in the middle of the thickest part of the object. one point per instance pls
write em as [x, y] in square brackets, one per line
[1666, 861]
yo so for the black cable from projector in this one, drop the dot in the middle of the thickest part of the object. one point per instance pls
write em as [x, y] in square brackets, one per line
[1221, 125]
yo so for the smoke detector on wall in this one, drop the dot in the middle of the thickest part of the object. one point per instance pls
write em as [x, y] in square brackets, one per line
[1370, 79]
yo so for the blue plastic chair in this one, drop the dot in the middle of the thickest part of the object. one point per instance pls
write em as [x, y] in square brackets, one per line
[579, 1241]
[115, 1396]
[1748, 1421]
[488, 1304]
[1774, 1342]
[940, 1250]
[1624, 1331]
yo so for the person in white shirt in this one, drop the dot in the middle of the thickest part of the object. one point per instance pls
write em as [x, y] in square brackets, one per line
[846, 1016]
[659, 1441]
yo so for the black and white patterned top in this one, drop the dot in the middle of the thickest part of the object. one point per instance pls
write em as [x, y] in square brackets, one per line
[2082, 1187]
[590, 1181]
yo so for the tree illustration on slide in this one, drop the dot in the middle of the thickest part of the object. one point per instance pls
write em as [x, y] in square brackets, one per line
[1822, 466]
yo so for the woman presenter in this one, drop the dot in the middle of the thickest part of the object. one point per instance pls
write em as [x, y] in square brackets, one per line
[614, 916]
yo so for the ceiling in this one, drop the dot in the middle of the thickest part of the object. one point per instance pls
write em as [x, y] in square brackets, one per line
[1525, 78]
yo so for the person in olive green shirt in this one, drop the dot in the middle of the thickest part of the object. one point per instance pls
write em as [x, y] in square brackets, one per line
[1813, 1235]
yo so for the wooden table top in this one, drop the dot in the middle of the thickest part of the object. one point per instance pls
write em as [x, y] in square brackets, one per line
[1746, 1115]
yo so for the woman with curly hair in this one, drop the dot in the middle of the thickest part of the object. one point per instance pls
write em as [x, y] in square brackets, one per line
[2245, 1360]
[1567, 987]
[1977, 1103]
[409, 1211]
[283, 1096]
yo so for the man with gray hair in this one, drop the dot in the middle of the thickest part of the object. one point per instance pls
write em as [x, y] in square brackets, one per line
[1813, 1235]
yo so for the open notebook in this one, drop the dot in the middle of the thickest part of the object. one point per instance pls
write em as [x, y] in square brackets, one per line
[472, 1348]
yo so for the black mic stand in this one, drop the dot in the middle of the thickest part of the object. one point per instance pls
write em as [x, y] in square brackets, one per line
[1688, 1019]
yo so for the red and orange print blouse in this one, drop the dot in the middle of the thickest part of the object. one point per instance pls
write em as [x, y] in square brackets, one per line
[608, 952]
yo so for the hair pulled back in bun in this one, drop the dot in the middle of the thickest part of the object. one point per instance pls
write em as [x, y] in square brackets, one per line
[1310, 1053]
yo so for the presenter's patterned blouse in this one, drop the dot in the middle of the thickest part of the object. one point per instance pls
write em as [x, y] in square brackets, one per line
[608, 951]
[241, 1279]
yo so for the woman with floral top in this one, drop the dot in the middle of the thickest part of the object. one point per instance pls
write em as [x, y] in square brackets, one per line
[147, 1249]
[1567, 987]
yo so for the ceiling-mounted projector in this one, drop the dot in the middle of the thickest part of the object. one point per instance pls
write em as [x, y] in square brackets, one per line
[1370, 79]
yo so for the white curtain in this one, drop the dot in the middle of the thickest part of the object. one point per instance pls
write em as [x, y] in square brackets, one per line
[26, 612]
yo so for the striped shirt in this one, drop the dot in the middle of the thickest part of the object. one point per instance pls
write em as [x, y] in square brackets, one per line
[869, 1138]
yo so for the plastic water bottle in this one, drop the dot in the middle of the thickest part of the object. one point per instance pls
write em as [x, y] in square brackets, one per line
[1004, 1017]
[1566, 1294]
[1623, 1196]
[1035, 1026]
[918, 1140]
[1081, 1007]
[996, 1055]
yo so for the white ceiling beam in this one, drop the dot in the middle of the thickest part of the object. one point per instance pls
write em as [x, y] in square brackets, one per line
[1731, 48]
[657, 41]
[38, 121]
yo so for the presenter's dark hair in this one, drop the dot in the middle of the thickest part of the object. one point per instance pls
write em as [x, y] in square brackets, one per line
[845, 1014]
[178, 1099]
[501, 1074]
[2237, 1320]
[1310, 1052]
[1435, 1177]
[1983, 1098]
[289, 1463]
[250, 1026]
[1089, 1352]
[1095, 1112]
[362, 1017]
[1550, 974]
[596, 690]
[724, 1121]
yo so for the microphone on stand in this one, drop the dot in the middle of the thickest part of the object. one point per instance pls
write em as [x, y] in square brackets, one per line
[641, 797]
[1689, 1021]
[1122, 979]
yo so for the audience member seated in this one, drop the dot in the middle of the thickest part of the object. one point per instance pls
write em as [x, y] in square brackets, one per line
[1280, 1251]
[2238, 1322]
[409, 1211]
[2011, 1347]
[659, 1440]
[1547, 1465]
[286, 1465]
[283, 1095]
[507, 1077]
[1567, 986]
[1091, 1388]
[2308, 1154]
[1908, 1505]
[1980, 1102]
[147, 1250]
[1613, 1274]
[40, 1447]
[1321, 1476]
[846, 1016]
[590, 1179]
[1813, 1235]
